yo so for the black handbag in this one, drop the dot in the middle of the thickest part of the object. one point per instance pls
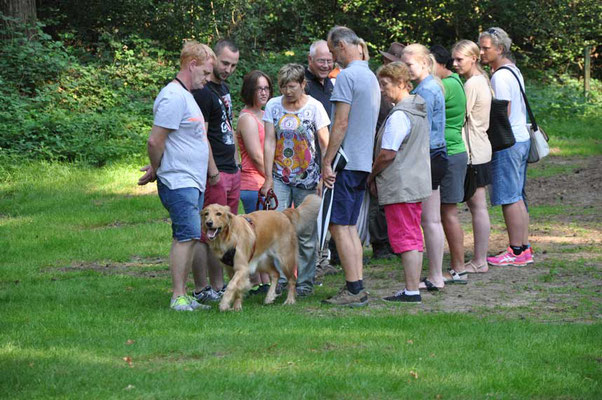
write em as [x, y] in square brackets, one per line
[500, 131]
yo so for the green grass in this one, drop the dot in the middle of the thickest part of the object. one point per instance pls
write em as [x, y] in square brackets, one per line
[84, 292]
[65, 329]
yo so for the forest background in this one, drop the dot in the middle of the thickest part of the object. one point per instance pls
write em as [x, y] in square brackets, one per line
[77, 83]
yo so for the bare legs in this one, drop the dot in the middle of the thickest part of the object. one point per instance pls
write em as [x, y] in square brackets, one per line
[433, 236]
[350, 250]
[480, 226]
[454, 235]
[412, 266]
[517, 222]
[180, 261]
[203, 257]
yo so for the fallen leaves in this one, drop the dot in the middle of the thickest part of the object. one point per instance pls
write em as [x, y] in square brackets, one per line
[414, 374]
[128, 360]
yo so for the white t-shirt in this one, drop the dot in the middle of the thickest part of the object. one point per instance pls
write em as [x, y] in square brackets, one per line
[397, 127]
[186, 155]
[505, 87]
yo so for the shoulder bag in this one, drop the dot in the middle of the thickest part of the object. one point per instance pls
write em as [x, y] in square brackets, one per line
[539, 139]
[500, 131]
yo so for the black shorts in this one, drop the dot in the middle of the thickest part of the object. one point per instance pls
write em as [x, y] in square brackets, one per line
[438, 168]
[483, 174]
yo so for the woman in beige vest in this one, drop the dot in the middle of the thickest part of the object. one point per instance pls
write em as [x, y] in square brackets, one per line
[401, 174]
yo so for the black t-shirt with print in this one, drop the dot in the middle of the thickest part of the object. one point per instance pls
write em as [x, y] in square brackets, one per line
[216, 104]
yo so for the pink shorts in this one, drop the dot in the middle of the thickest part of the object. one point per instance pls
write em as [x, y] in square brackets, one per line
[403, 226]
[226, 193]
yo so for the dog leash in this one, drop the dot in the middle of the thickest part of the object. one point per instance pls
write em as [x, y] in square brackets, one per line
[266, 202]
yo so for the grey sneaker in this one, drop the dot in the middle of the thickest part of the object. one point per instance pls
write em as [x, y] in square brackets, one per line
[196, 305]
[346, 298]
[305, 291]
[208, 295]
[181, 303]
[324, 270]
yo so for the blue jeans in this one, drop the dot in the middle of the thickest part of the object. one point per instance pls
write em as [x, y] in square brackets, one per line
[509, 174]
[249, 200]
[184, 206]
[308, 241]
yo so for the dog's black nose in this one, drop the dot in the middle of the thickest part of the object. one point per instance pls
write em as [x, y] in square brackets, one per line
[209, 223]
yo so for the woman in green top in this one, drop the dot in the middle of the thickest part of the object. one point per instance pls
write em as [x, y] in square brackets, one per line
[452, 185]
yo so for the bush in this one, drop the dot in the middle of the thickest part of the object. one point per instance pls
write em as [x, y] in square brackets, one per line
[92, 112]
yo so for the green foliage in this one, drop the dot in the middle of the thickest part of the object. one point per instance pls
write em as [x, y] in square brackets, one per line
[91, 112]
[28, 56]
[546, 34]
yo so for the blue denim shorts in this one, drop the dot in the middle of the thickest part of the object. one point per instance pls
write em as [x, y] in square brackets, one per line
[184, 206]
[509, 174]
[349, 189]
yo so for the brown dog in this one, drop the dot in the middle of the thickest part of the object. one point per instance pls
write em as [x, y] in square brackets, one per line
[252, 242]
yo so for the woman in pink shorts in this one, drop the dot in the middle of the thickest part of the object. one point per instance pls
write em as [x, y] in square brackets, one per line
[401, 173]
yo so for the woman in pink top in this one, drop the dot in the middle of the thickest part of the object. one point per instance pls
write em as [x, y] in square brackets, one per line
[256, 91]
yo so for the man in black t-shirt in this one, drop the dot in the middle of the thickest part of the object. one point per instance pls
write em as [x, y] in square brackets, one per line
[216, 104]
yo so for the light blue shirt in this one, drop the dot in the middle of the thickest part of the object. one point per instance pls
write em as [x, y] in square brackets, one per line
[357, 86]
[431, 92]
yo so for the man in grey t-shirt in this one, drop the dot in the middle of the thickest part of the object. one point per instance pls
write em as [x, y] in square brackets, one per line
[356, 98]
[180, 159]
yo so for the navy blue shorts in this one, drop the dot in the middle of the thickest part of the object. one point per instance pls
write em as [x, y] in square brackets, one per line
[349, 189]
[184, 206]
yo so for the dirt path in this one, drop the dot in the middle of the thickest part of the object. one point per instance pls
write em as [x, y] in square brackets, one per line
[566, 281]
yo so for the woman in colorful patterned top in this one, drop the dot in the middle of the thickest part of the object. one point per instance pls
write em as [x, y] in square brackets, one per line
[296, 134]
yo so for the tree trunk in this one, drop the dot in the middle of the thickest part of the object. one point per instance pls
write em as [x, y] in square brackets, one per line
[23, 10]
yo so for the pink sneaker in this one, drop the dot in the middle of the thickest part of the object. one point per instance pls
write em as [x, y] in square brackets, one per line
[527, 256]
[507, 258]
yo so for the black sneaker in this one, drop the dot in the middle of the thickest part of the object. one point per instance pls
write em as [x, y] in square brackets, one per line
[402, 297]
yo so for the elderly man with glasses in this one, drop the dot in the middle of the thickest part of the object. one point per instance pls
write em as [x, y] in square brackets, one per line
[319, 65]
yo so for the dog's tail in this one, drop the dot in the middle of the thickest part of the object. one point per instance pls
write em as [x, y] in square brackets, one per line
[306, 214]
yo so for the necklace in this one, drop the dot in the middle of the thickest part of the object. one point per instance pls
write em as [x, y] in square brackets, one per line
[181, 83]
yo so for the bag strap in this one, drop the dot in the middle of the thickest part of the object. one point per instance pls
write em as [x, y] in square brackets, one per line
[222, 103]
[522, 91]
[468, 141]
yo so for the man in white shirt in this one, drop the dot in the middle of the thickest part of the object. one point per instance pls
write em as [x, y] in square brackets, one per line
[181, 159]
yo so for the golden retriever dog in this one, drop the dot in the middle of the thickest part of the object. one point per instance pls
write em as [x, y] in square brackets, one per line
[249, 243]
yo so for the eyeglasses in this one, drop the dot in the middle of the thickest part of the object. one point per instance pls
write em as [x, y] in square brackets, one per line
[263, 89]
[324, 61]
